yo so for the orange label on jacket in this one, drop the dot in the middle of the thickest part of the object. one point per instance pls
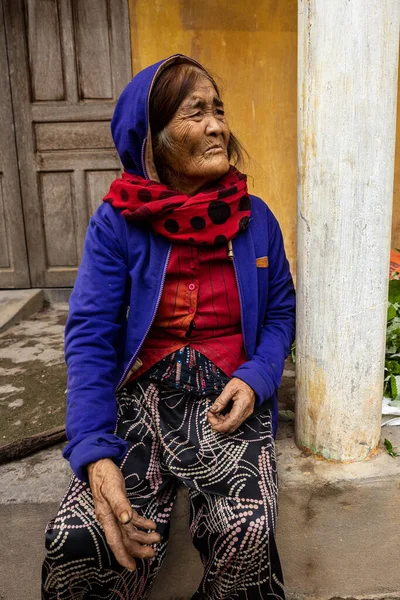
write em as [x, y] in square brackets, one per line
[262, 262]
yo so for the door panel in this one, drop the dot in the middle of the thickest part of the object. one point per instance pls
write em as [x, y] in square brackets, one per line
[56, 192]
[69, 61]
[96, 182]
[13, 258]
[95, 72]
[45, 55]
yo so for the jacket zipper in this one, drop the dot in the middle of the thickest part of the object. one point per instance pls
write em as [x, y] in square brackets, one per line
[231, 254]
[143, 159]
[130, 363]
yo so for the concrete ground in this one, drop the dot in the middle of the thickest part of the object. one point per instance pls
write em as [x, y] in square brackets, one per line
[32, 375]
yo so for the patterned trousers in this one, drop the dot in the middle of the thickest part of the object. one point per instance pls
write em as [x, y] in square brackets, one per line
[233, 503]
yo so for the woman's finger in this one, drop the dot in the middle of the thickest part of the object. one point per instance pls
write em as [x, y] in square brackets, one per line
[123, 510]
[233, 420]
[137, 548]
[140, 551]
[115, 540]
[223, 399]
[140, 537]
[141, 522]
[117, 499]
[215, 418]
[107, 482]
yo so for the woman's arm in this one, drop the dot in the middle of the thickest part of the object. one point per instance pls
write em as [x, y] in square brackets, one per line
[90, 338]
[259, 378]
[90, 350]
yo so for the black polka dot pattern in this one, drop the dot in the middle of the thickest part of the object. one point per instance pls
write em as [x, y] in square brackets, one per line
[171, 226]
[219, 212]
[166, 194]
[197, 223]
[244, 203]
[144, 195]
[211, 218]
[220, 240]
[124, 195]
[227, 192]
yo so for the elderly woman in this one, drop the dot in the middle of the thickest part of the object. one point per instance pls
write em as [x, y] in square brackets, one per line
[180, 321]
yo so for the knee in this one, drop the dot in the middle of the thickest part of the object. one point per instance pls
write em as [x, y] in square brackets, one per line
[66, 543]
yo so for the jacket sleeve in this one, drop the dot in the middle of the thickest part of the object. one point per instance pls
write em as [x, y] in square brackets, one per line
[90, 336]
[264, 371]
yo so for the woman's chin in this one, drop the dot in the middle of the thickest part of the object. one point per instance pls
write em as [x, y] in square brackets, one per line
[217, 169]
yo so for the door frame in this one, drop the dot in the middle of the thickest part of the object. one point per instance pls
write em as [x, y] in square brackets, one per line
[16, 274]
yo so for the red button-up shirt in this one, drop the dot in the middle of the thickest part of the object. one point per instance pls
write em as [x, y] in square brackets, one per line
[199, 306]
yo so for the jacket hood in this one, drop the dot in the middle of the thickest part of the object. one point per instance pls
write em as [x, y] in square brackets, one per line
[130, 122]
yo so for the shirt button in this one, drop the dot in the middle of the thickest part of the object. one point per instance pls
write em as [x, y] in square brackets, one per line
[191, 287]
[192, 265]
[191, 310]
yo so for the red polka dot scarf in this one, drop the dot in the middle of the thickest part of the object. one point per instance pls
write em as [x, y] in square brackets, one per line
[213, 216]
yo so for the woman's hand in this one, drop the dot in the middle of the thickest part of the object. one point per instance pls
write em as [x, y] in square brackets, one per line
[243, 398]
[120, 522]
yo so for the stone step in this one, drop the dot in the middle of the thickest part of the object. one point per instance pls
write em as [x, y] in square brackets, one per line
[16, 305]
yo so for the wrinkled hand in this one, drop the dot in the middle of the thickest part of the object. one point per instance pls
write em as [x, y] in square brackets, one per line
[121, 523]
[243, 398]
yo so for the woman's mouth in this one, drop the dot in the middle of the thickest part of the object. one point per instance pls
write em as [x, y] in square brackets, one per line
[215, 148]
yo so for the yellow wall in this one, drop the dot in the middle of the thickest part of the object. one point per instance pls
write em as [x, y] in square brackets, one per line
[252, 49]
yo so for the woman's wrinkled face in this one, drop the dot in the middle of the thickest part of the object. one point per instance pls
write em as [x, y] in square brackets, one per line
[198, 138]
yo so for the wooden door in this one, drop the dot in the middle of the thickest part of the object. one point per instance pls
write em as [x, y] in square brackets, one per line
[13, 259]
[69, 61]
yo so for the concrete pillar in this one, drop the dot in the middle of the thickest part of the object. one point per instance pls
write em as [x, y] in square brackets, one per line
[347, 88]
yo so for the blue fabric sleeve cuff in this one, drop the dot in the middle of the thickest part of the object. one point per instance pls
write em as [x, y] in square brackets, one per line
[93, 448]
[256, 381]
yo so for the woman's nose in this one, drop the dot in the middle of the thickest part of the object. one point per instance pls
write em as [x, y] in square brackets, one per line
[214, 126]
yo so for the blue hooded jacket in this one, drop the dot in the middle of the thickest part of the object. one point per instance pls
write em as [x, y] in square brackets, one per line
[119, 286]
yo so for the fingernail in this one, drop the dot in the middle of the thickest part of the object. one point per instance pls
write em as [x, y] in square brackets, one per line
[125, 518]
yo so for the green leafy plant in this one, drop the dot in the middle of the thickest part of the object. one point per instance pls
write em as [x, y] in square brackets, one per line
[293, 352]
[392, 358]
[390, 449]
